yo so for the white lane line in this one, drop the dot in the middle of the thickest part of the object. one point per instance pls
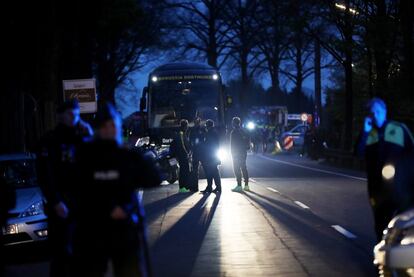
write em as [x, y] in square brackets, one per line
[315, 169]
[344, 231]
[272, 189]
[300, 204]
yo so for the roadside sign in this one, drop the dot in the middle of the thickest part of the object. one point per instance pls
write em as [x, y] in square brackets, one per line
[293, 116]
[304, 117]
[84, 90]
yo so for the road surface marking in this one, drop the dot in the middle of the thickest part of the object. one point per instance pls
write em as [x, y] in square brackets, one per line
[300, 204]
[315, 169]
[344, 231]
[272, 189]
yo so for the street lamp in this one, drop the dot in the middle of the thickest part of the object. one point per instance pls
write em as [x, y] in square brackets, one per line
[343, 7]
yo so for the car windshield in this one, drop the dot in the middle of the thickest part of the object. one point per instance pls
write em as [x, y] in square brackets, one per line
[172, 100]
[19, 173]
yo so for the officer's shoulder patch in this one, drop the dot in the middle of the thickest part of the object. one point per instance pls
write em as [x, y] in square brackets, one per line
[394, 133]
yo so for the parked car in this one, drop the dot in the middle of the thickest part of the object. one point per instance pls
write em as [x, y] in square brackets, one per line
[394, 255]
[27, 221]
[297, 133]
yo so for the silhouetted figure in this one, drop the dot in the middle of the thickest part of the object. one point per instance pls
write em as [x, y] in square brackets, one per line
[382, 142]
[56, 171]
[196, 137]
[210, 160]
[239, 144]
[180, 148]
[109, 216]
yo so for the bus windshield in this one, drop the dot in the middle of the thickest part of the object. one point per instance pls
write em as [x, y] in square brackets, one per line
[172, 100]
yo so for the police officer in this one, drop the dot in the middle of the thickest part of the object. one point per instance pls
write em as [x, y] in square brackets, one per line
[108, 211]
[382, 142]
[181, 149]
[56, 171]
[196, 137]
[210, 160]
[239, 144]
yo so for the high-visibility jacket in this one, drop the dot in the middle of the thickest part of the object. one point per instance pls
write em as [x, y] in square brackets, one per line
[382, 146]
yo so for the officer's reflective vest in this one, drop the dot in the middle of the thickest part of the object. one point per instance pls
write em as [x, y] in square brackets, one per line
[394, 133]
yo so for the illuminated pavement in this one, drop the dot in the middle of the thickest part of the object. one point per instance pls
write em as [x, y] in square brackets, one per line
[301, 219]
[302, 223]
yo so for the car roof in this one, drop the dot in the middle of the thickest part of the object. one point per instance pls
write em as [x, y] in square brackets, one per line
[17, 156]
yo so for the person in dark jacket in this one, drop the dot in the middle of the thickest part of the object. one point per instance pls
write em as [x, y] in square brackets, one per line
[196, 138]
[108, 213]
[56, 170]
[210, 160]
[239, 144]
[181, 150]
[383, 143]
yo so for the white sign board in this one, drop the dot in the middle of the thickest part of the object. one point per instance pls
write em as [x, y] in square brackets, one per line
[293, 116]
[84, 91]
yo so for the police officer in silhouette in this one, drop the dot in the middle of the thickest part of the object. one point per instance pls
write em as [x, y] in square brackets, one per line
[109, 216]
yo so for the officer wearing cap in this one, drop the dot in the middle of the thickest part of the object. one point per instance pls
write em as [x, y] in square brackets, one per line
[382, 142]
[56, 171]
[108, 212]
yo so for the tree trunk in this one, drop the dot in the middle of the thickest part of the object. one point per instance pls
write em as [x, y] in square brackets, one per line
[212, 42]
[406, 14]
[349, 115]
[299, 73]
[318, 84]
[382, 37]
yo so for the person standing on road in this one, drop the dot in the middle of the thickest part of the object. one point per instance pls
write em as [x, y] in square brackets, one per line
[181, 149]
[109, 216]
[56, 170]
[197, 136]
[239, 144]
[382, 142]
[210, 160]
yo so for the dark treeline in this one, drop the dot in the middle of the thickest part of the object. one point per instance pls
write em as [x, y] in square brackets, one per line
[365, 45]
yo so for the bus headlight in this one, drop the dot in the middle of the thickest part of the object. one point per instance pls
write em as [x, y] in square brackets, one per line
[215, 76]
[154, 78]
[223, 155]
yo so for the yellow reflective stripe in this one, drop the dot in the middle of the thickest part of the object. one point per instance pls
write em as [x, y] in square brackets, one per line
[394, 133]
[372, 137]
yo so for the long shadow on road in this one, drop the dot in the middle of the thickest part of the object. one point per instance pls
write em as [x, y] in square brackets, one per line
[176, 251]
[156, 208]
[318, 248]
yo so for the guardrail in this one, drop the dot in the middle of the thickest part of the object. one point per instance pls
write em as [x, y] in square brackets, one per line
[343, 158]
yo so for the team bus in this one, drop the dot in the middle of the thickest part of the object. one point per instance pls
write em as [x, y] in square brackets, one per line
[178, 91]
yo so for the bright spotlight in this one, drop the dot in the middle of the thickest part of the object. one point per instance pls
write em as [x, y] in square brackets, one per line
[250, 125]
[215, 77]
[154, 78]
[388, 171]
[223, 155]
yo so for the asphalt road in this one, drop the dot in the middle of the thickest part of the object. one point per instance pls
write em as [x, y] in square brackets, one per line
[302, 218]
